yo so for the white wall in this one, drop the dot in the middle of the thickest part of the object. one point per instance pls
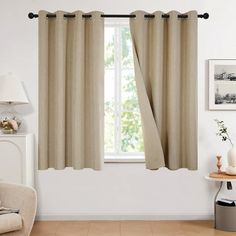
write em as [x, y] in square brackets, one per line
[124, 189]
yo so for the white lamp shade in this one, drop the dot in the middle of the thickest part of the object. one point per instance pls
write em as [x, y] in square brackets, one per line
[12, 91]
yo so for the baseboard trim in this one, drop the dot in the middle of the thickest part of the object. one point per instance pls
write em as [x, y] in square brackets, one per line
[87, 217]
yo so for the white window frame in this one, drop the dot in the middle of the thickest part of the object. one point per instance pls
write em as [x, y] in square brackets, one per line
[119, 157]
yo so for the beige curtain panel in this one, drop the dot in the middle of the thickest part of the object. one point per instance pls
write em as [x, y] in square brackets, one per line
[165, 58]
[71, 82]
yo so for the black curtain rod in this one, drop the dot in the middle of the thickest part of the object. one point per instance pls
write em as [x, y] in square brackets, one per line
[31, 15]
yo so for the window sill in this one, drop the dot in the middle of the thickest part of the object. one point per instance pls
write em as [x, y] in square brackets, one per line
[124, 159]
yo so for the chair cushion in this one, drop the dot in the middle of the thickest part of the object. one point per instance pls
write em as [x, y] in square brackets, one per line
[10, 222]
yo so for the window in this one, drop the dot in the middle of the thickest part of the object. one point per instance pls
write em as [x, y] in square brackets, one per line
[123, 132]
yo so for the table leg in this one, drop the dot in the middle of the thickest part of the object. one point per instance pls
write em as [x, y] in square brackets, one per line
[215, 199]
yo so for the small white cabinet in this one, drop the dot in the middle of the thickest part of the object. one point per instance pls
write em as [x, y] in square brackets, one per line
[17, 159]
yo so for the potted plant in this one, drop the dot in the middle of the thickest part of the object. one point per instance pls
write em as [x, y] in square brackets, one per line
[223, 133]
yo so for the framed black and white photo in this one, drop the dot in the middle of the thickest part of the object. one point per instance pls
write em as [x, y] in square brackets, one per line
[222, 84]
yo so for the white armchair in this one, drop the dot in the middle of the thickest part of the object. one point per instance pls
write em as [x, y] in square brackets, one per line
[23, 198]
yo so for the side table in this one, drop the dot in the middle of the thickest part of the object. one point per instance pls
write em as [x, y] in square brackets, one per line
[224, 216]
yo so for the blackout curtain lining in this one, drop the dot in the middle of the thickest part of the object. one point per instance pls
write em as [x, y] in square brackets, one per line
[165, 59]
[71, 84]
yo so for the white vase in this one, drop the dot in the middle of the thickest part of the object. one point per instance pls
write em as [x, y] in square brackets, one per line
[231, 169]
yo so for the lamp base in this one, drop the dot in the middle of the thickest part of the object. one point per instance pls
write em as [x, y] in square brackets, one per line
[9, 121]
[8, 131]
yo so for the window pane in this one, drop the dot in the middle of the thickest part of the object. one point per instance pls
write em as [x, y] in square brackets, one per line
[109, 47]
[123, 133]
[109, 131]
[131, 132]
[109, 121]
[127, 54]
[109, 83]
[129, 91]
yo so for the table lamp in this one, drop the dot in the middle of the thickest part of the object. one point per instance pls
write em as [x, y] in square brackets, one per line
[11, 93]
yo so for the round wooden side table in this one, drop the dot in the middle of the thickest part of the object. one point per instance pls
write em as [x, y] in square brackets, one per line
[224, 216]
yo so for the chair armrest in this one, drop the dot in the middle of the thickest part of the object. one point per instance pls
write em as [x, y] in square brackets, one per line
[22, 198]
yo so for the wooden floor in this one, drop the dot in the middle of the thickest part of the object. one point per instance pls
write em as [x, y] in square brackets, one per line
[126, 228]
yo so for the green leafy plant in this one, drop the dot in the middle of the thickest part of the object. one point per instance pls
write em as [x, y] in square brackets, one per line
[223, 131]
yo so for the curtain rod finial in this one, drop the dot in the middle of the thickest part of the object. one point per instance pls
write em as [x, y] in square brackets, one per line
[31, 15]
[205, 15]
